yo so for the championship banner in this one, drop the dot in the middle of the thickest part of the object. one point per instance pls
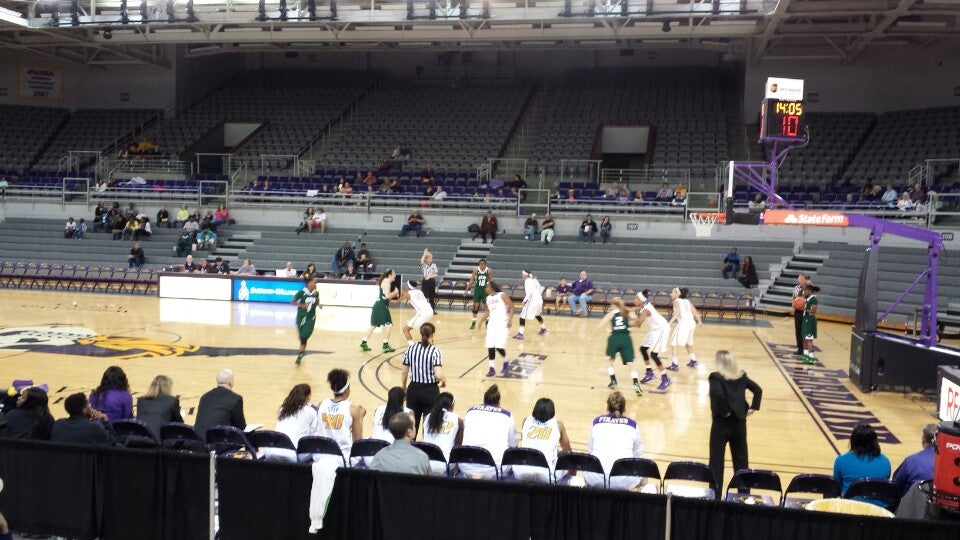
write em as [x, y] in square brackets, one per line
[40, 83]
[824, 218]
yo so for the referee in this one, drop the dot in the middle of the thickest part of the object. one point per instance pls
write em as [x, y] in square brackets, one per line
[802, 281]
[423, 365]
[429, 285]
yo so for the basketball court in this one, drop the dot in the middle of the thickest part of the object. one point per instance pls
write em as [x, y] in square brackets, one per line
[67, 340]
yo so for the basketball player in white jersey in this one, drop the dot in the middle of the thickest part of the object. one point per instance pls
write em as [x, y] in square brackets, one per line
[341, 420]
[383, 414]
[418, 301]
[541, 431]
[612, 437]
[443, 428]
[532, 302]
[687, 318]
[498, 311]
[488, 426]
[655, 342]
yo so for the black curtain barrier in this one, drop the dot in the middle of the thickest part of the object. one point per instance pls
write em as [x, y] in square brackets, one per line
[50, 489]
[264, 500]
[186, 486]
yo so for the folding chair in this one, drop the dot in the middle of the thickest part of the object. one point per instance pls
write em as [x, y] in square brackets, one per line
[826, 486]
[18, 273]
[578, 461]
[178, 436]
[309, 447]
[528, 459]
[54, 277]
[229, 441]
[280, 444]
[599, 299]
[438, 461]
[472, 455]
[745, 481]
[690, 471]
[363, 449]
[90, 279]
[746, 306]
[134, 433]
[6, 274]
[875, 488]
[642, 468]
[728, 305]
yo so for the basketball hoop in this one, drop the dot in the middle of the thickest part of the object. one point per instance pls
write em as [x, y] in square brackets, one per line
[703, 223]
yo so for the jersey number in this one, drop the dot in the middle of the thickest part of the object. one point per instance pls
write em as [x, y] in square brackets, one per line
[333, 421]
[447, 426]
[541, 433]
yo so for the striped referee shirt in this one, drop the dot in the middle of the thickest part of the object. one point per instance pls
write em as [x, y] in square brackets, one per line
[421, 361]
[797, 290]
[429, 269]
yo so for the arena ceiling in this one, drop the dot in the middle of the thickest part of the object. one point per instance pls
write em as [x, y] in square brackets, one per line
[104, 32]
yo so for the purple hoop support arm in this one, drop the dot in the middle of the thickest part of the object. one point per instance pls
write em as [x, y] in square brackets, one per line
[878, 227]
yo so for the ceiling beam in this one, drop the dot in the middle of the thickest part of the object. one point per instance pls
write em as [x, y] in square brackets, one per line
[890, 17]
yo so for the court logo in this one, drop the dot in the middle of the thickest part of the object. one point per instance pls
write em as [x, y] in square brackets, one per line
[524, 366]
[81, 341]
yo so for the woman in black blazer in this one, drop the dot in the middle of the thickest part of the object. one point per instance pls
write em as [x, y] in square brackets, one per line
[728, 403]
[158, 406]
[748, 273]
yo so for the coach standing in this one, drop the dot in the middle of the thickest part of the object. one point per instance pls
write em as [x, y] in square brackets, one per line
[802, 281]
[423, 365]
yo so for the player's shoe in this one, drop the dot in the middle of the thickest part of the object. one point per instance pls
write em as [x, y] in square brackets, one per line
[612, 385]
[638, 389]
[506, 368]
[543, 331]
[693, 363]
[299, 359]
[664, 382]
[491, 372]
[674, 367]
[473, 324]
[649, 376]
[364, 347]
[387, 348]
[806, 359]
[518, 336]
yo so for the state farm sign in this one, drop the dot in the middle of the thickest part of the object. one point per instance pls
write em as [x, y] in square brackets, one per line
[805, 217]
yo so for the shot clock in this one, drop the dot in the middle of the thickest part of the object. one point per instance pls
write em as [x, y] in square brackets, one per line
[782, 114]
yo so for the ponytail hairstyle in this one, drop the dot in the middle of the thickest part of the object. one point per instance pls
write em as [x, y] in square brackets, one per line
[384, 276]
[426, 333]
[492, 396]
[618, 302]
[616, 403]
[646, 295]
[444, 403]
[494, 285]
[684, 292]
[298, 397]
[395, 398]
[339, 381]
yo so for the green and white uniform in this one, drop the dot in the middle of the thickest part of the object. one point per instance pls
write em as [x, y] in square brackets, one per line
[380, 315]
[308, 301]
[619, 340]
[480, 286]
[808, 325]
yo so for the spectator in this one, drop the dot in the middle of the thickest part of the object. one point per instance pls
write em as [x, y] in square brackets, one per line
[345, 189]
[606, 228]
[99, 217]
[680, 195]
[116, 225]
[144, 230]
[440, 194]
[614, 436]
[588, 227]
[184, 244]
[582, 294]
[729, 409]
[864, 460]
[131, 212]
[731, 264]
[758, 204]
[192, 226]
[748, 275]
[305, 220]
[81, 229]
[370, 180]
[31, 419]
[220, 406]
[69, 228]
[518, 182]
[206, 239]
[189, 265]
[136, 258]
[918, 466]
[113, 397]
[495, 181]
[571, 195]
[343, 260]
[489, 225]
[247, 269]
[130, 228]
[905, 203]
[530, 227]
[889, 197]
[665, 194]
[414, 223]
[101, 186]
[364, 261]
[429, 190]
[163, 217]
[867, 187]
[546, 229]
[158, 406]
[221, 216]
[83, 426]
[203, 267]
[183, 215]
[401, 456]
[221, 266]
[427, 174]
[287, 271]
[395, 186]
[318, 220]
[297, 418]
[563, 291]
[309, 272]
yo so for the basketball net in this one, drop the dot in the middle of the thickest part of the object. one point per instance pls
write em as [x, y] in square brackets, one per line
[703, 223]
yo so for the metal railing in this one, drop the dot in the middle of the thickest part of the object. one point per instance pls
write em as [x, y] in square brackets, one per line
[148, 165]
[580, 170]
[650, 176]
[74, 161]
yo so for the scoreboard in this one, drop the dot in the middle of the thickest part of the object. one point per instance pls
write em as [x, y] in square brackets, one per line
[782, 114]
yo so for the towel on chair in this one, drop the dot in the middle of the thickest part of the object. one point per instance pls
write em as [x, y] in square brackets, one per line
[324, 475]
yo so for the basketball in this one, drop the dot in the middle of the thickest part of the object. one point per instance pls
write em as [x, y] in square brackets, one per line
[799, 302]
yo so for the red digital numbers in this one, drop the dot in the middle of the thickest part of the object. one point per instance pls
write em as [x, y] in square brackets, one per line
[790, 125]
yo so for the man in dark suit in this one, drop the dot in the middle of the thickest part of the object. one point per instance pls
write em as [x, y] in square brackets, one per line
[84, 426]
[220, 406]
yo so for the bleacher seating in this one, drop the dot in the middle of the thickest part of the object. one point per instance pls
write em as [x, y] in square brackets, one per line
[834, 140]
[24, 131]
[94, 130]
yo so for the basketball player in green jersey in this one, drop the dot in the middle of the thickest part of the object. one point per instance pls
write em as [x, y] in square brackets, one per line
[478, 280]
[307, 301]
[619, 318]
